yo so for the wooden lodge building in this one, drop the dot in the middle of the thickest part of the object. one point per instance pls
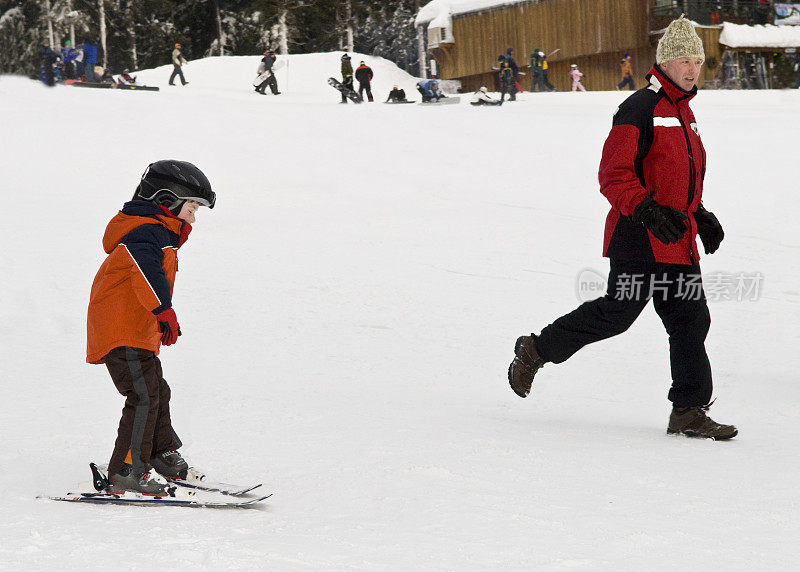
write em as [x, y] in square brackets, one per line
[465, 37]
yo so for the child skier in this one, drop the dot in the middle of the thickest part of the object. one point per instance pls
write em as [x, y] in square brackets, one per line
[576, 76]
[131, 315]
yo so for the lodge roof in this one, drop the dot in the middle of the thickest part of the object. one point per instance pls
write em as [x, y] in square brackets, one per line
[437, 11]
[767, 36]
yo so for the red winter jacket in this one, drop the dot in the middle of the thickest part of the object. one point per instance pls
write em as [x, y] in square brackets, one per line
[654, 148]
[364, 73]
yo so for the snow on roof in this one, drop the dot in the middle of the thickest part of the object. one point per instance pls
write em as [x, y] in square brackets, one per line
[767, 36]
[441, 10]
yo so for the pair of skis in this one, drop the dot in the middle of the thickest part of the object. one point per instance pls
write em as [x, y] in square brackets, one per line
[195, 490]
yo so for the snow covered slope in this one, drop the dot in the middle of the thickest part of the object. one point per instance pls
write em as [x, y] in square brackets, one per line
[303, 76]
[349, 310]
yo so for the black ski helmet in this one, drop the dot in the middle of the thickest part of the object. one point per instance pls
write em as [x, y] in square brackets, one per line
[171, 183]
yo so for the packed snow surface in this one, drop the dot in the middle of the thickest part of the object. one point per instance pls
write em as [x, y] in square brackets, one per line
[349, 310]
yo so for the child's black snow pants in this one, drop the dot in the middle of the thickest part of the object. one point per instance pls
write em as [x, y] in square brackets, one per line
[145, 428]
[679, 300]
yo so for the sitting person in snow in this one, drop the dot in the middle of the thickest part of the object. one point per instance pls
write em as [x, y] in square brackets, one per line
[397, 94]
[105, 76]
[131, 316]
[482, 97]
[429, 88]
[125, 78]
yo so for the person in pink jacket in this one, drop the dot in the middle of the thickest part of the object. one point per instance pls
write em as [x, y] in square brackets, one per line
[576, 75]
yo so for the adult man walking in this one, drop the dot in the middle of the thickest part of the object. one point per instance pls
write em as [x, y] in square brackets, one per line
[177, 65]
[539, 72]
[265, 67]
[651, 171]
[364, 77]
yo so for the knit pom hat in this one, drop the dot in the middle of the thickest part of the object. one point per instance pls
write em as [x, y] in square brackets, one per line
[679, 41]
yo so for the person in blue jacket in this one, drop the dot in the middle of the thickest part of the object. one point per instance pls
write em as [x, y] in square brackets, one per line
[89, 59]
[511, 63]
[429, 88]
[68, 56]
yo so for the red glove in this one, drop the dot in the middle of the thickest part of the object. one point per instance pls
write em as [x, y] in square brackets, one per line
[170, 329]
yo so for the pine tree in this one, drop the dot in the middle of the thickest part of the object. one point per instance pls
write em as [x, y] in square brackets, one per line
[140, 33]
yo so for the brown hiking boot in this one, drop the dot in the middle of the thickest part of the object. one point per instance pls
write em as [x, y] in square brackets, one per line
[694, 422]
[525, 365]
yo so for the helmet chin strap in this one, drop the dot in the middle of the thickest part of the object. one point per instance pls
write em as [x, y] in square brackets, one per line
[176, 210]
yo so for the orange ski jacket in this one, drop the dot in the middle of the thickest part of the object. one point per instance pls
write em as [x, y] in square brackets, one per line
[135, 281]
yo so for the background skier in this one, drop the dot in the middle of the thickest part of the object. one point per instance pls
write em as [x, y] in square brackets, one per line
[576, 76]
[626, 69]
[509, 59]
[539, 76]
[266, 67]
[397, 94]
[47, 59]
[482, 97]
[429, 89]
[656, 210]
[177, 65]
[89, 60]
[125, 78]
[508, 84]
[347, 74]
[131, 315]
[364, 76]
[68, 56]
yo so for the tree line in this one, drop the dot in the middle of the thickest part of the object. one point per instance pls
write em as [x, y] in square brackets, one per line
[140, 34]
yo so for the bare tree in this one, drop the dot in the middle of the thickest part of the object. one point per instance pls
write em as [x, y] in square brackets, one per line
[130, 25]
[48, 15]
[423, 69]
[102, 9]
[283, 33]
[349, 24]
[220, 32]
[71, 15]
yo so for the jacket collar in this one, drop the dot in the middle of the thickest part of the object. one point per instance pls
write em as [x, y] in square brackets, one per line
[659, 81]
[158, 212]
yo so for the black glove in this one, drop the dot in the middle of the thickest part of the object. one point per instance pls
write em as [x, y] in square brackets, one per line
[709, 229]
[666, 223]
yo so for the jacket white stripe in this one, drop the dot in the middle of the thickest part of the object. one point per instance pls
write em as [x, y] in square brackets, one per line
[143, 275]
[666, 122]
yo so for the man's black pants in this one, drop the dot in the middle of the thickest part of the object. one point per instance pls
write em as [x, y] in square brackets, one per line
[365, 87]
[271, 82]
[679, 300]
[176, 71]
